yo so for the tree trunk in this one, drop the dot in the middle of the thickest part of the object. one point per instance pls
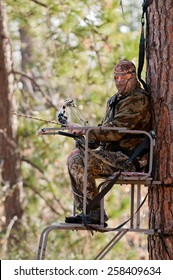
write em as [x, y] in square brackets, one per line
[160, 80]
[9, 154]
[26, 59]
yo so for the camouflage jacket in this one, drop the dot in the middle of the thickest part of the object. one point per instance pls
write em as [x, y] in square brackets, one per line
[132, 111]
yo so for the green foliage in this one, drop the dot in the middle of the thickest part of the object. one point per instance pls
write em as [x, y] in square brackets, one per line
[68, 50]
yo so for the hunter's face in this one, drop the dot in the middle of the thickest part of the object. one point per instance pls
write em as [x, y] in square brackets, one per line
[119, 78]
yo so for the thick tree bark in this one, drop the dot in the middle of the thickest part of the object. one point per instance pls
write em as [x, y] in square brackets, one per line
[9, 155]
[160, 80]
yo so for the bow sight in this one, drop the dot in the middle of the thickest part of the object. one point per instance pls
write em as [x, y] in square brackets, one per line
[62, 114]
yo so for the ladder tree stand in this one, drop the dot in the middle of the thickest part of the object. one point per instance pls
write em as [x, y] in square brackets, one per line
[134, 179]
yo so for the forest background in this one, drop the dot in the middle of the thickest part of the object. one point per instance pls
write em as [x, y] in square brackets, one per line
[64, 50]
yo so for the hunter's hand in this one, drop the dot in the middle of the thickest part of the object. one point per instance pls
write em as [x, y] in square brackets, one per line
[72, 128]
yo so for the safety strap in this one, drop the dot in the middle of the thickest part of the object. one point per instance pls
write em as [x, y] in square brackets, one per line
[145, 5]
[140, 148]
[103, 192]
[121, 225]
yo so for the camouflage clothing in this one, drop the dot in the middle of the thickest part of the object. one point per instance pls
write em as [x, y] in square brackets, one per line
[123, 69]
[130, 110]
[97, 168]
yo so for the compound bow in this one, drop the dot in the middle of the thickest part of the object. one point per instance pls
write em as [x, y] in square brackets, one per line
[63, 117]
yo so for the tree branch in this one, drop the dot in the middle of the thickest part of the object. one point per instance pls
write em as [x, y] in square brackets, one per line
[49, 203]
[28, 77]
[39, 3]
[32, 164]
[41, 171]
[34, 82]
[121, 5]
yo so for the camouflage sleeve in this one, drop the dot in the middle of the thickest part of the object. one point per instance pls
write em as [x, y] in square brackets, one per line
[131, 112]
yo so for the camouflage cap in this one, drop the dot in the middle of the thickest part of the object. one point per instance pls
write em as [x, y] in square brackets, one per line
[124, 67]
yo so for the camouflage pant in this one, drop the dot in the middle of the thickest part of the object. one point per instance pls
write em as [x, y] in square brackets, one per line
[100, 163]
